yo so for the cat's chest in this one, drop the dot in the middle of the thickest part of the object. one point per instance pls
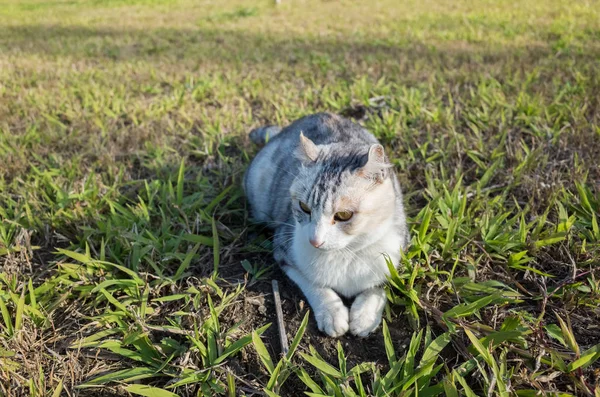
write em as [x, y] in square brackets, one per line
[345, 271]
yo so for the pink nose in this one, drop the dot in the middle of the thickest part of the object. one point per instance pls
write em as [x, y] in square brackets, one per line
[315, 243]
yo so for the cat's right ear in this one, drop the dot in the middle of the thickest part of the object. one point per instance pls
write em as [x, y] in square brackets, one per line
[307, 150]
[377, 164]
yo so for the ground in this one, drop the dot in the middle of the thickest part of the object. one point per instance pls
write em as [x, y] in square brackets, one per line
[128, 262]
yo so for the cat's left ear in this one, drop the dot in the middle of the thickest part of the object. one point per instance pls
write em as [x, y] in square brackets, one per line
[307, 151]
[377, 164]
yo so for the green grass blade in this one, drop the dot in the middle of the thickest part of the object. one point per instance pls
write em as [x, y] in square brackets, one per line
[75, 255]
[125, 375]
[186, 262]
[241, 343]
[6, 318]
[58, 390]
[308, 381]
[568, 335]
[341, 358]
[321, 365]
[483, 351]
[424, 227]
[20, 311]
[149, 391]
[180, 180]
[467, 391]
[32, 297]
[587, 358]
[216, 248]
[263, 353]
[409, 360]
[389, 346]
[94, 340]
[298, 336]
[433, 350]
[114, 301]
[275, 376]
[450, 389]
[467, 309]
[231, 385]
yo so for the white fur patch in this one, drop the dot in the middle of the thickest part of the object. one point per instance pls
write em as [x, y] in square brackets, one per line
[330, 312]
[320, 274]
[365, 313]
[333, 317]
[348, 271]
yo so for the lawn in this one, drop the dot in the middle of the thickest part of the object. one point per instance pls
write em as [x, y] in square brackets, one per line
[128, 264]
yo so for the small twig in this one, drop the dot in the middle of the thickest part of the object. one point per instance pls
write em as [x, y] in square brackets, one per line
[282, 335]
[492, 385]
[573, 263]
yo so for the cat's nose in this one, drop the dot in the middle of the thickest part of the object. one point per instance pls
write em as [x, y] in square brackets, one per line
[315, 243]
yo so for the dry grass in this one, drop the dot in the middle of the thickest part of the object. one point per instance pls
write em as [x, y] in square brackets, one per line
[124, 239]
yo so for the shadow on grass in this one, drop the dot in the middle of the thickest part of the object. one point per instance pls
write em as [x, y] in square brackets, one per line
[207, 45]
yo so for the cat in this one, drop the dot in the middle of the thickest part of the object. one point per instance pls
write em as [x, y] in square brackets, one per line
[326, 187]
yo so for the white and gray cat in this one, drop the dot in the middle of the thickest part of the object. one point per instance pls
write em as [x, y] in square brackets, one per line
[326, 187]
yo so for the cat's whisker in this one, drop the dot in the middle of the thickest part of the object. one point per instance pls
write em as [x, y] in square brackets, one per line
[353, 255]
[285, 233]
[287, 241]
[279, 223]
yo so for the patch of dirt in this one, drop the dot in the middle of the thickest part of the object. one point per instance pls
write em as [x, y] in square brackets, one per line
[259, 309]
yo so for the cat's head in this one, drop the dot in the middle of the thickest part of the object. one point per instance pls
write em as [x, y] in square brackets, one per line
[343, 194]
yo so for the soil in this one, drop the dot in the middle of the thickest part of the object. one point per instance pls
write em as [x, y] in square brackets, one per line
[259, 309]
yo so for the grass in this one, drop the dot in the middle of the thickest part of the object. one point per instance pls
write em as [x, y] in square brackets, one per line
[128, 264]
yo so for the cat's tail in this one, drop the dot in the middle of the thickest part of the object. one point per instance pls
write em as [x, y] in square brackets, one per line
[261, 135]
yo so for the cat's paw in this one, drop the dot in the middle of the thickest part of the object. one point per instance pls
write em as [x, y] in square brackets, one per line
[365, 314]
[332, 318]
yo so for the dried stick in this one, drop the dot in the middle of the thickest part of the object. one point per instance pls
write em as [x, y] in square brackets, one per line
[282, 335]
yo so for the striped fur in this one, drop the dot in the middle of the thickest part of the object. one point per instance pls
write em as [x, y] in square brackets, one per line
[330, 165]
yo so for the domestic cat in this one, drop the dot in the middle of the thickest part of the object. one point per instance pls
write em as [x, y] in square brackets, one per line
[325, 186]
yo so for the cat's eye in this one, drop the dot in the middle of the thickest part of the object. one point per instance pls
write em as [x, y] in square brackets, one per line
[304, 207]
[343, 216]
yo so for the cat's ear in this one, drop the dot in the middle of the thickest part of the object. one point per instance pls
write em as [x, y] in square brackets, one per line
[377, 164]
[307, 150]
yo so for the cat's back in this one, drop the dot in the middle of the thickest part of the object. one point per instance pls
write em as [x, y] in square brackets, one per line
[326, 128]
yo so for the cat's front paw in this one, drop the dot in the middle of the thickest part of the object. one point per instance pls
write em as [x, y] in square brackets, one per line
[332, 318]
[365, 314]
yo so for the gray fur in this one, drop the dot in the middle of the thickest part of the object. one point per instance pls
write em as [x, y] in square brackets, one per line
[261, 135]
[304, 183]
[270, 201]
